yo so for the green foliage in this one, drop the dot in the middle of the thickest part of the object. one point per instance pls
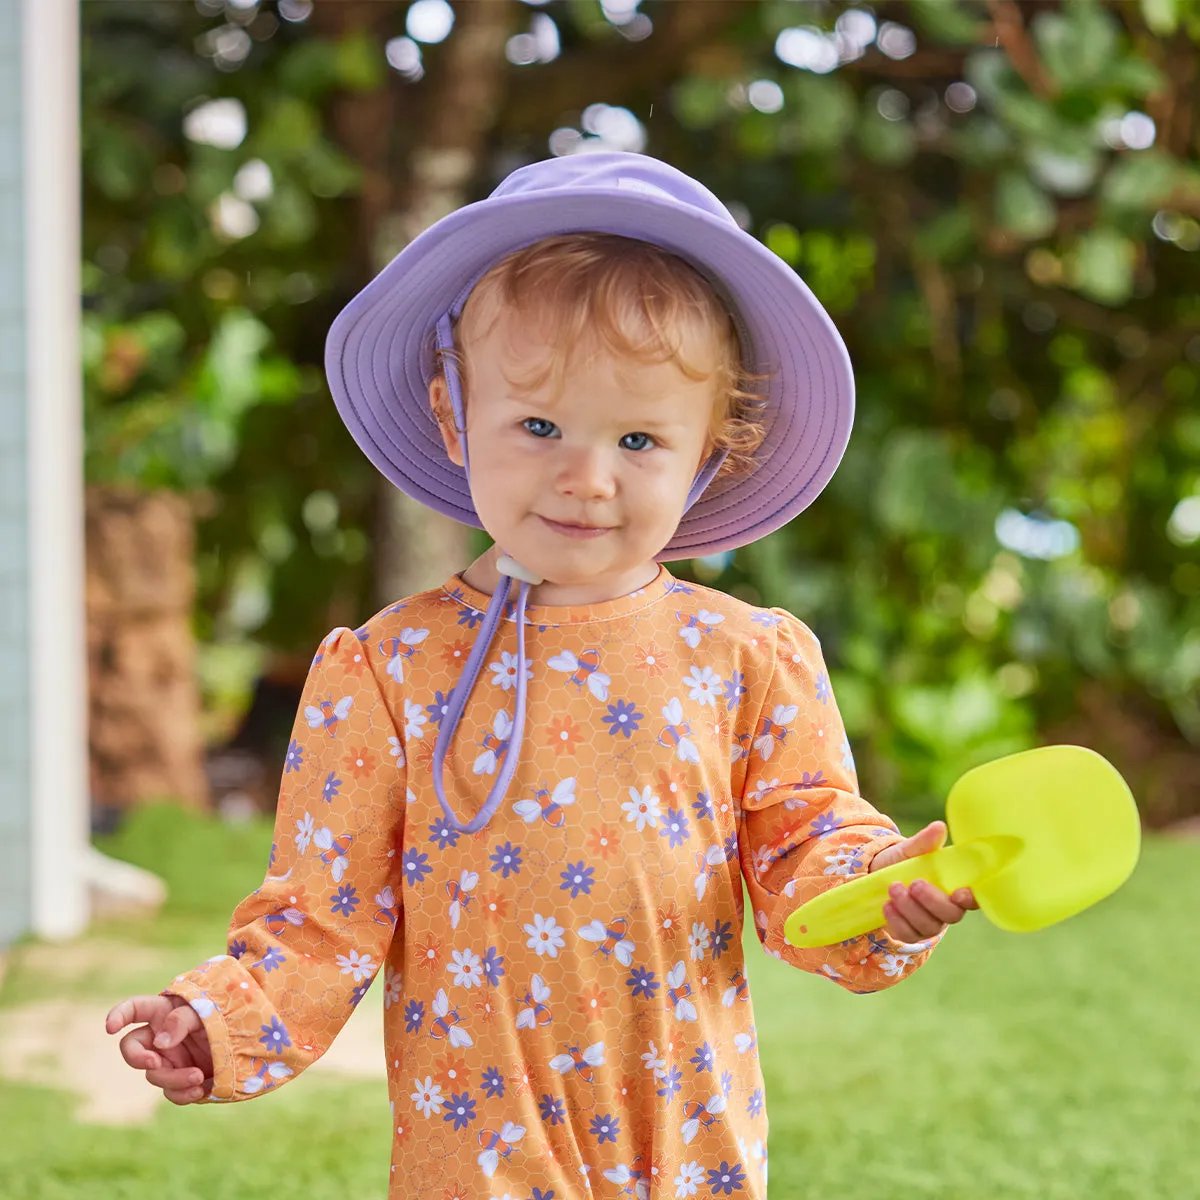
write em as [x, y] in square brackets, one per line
[1005, 224]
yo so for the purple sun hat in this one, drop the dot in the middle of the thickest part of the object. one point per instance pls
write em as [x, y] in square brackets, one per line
[379, 353]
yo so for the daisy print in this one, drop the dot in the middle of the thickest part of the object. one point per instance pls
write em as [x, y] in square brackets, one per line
[704, 685]
[396, 750]
[414, 719]
[545, 935]
[642, 808]
[466, 967]
[504, 673]
[393, 986]
[428, 1096]
[358, 966]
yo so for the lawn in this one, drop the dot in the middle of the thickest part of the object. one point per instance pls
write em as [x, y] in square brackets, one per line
[1054, 1065]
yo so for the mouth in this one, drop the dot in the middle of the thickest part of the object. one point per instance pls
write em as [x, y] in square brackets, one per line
[572, 529]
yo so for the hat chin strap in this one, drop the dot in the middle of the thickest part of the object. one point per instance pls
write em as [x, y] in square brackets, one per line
[509, 570]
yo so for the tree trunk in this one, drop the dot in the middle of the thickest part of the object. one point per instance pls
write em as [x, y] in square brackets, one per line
[416, 548]
[144, 731]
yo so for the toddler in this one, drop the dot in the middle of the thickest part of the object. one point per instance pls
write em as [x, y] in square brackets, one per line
[529, 798]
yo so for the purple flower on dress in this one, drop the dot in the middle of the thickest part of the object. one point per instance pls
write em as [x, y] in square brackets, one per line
[330, 788]
[416, 865]
[823, 689]
[577, 878]
[437, 710]
[295, 757]
[622, 717]
[553, 1110]
[704, 1059]
[643, 983]
[414, 1014]
[273, 958]
[726, 1083]
[444, 834]
[506, 859]
[755, 1106]
[460, 1109]
[493, 966]
[725, 1180]
[538, 1194]
[722, 934]
[809, 780]
[345, 900]
[670, 1083]
[702, 806]
[605, 1128]
[735, 689]
[493, 1082]
[675, 827]
[470, 617]
[359, 992]
[237, 948]
[275, 1036]
[824, 825]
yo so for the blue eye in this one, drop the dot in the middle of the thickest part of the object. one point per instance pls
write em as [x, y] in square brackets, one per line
[636, 441]
[540, 427]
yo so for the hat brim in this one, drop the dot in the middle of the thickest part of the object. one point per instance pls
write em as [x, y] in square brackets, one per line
[377, 355]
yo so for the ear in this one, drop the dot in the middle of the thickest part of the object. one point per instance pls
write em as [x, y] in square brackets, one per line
[443, 413]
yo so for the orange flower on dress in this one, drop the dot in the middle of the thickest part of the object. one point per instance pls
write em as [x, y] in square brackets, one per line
[486, 1010]
[671, 788]
[657, 1171]
[519, 1082]
[629, 1086]
[455, 1191]
[358, 761]
[495, 907]
[563, 734]
[456, 653]
[705, 978]
[592, 1000]
[604, 840]
[402, 1130]
[356, 663]
[452, 1073]
[429, 954]
[668, 921]
[650, 659]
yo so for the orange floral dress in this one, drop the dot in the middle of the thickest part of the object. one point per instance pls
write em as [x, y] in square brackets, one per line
[566, 1008]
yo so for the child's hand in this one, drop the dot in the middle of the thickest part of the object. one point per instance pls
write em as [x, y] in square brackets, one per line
[920, 910]
[171, 1047]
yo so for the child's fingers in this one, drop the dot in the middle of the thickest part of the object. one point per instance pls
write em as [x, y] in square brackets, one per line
[935, 902]
[135, 1049]
[137, 1010]
[897, 926]
[916, 918]
[176, 1079]
[179, 1023]
[187, 1095]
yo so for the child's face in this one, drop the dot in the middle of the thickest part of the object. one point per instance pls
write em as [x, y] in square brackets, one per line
[585, 487]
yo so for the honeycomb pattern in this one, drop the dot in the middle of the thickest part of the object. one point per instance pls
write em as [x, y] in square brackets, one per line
[565, 1002]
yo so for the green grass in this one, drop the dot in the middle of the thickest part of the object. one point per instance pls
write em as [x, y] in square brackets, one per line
[1057, 1066]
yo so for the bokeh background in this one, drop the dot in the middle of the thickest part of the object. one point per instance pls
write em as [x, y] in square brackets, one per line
[999, 205]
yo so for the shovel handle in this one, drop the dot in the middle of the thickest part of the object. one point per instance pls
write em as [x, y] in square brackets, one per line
[856, 907]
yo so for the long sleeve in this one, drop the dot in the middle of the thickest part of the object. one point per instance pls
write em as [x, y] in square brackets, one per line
[305, 946]
[805, 828]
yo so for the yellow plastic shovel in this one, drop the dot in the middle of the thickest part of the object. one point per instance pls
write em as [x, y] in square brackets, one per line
[1038, 837]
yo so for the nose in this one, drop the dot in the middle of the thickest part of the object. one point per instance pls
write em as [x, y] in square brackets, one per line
[585, 473]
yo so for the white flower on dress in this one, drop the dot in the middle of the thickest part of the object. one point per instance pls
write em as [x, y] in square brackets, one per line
[652, 1061]
[396, 751]
[428, 1096]
[846, 860]
[894, 964]
[705, 685]
[414, 720]
[545, 935]
[305, 832]
[358, 966]
[505, 671]
[764, 856]
[699, 940]
[467, 968]
[690, 1176]
[393, 986]
[642, 808]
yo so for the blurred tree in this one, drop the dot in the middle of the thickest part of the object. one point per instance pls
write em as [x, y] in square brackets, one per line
[999, 204]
